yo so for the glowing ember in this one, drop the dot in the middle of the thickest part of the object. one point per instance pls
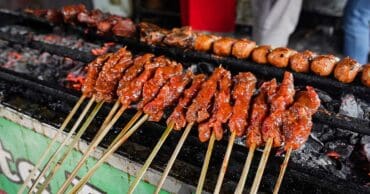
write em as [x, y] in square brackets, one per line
[333, 154]
[104, 49]
[75, 80]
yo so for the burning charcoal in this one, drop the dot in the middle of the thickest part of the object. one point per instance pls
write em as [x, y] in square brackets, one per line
[350, 107]
[339, 149]
[366, 151]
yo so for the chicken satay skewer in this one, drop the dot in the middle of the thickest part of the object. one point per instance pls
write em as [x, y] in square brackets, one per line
[50, 145]
[124, 62]
[254, 139]
[106, 83]
[297, 126]
[220, 114]
[178, 118]
[93, 70]
[242, 93]
[168, 94]
[273, 123]
[131, 90]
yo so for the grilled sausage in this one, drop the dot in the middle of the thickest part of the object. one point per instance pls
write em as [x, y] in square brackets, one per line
[223, 46]
[243, 48]
[323, 65]
[204, 42]
[300, 62]
[346, 70]
[279, 57]
[259, 54]
[365, 78]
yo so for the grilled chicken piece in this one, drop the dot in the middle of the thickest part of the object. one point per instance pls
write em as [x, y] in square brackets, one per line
[279, 103]
[151, 34]
[243, 48]
[178, 114]
[91, 18]
[300, 62]
[297, 120]
[204, 42]
[223, 46]
[70, 12]
[346, 70]
[323, 65]
[259, 112]
[124, 28]
[259, 54]
[112, 71]
[279, 57]
[365, 77]
[180, 37]
[221, 110]
[244, 87]
[93, 70]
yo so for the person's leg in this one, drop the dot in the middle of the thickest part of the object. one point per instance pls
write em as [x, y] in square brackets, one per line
[356, 29]
[279, 23]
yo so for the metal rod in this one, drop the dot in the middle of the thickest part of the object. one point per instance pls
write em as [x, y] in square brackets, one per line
[50, 145]
[282, 171]
[247, 165]
[203, 173]
[225, 163]
[55, 155]
[151, 157]
[261, 167]
[108, 153]
[80, 132]
[94, 143]
[174, 156]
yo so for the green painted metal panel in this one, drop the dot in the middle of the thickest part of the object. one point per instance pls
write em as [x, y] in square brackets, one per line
[21, 147]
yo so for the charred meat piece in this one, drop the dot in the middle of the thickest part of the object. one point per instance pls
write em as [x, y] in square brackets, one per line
[300, 62]
[323, 65]
[221, 111]
[243, 48]
[223, 46]
[198, 110]
[281, 100]
[54, 16]
[244, 87]
[297, 121]
[151, 34]
[168, 94]
[91, 18]
[105, 26]
[132, 91]
[178, 114]
[365, 77]
[259, 54]
[70, 12]
[279, 57]
[124, 28]
[161, 76]
[259, 112]
[346, 70]
[107, 82]
[180, 37]
[204, 42]
[92, 74]
[134, 70]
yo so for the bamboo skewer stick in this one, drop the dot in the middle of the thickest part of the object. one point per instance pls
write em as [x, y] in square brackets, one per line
[58, 164]
[94, 143]
[126, 128]
[174, 156]
[151, 157]
[225, 163]
[247, 165]
[55, 155]
[282, 171]
[207, 158]
[48, 149]
[108, 153]
[261, 166]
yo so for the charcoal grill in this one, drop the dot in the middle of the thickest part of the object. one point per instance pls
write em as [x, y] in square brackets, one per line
[57, 99]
